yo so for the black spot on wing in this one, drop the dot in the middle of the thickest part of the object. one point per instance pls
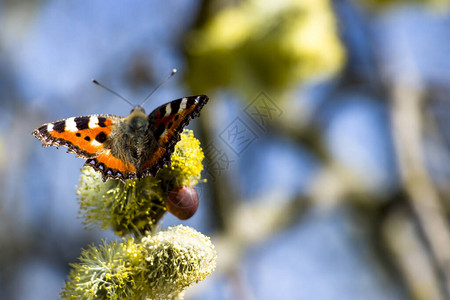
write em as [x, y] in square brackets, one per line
[82, 122]
[41, 132]
[59, 126]
[191, 101]
[175, 106]
[159, 130]
[87, 138]
[78, 134]
[101, 121]
[101, 137]
[162, 111]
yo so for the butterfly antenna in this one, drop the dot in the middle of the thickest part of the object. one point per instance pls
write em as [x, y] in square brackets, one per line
[158, 86]
[111, 91]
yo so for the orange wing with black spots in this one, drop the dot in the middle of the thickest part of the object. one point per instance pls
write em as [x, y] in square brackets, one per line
[167, 122]
[83, 136]
[86, 136]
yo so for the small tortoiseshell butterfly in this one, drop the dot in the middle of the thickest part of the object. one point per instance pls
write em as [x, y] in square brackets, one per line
[124, 147]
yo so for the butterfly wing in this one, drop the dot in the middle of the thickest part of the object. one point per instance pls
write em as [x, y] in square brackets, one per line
[166, 123]
[83, 136]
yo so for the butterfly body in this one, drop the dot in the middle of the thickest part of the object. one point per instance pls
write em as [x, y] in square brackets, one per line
[124, 147]
[132, 141]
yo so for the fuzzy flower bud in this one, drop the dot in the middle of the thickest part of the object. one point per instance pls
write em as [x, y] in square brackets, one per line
[175, 259]
[159, 266]
[104, 272]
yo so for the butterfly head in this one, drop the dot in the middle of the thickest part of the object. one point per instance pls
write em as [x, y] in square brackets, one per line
[137, 120]
[137, 108]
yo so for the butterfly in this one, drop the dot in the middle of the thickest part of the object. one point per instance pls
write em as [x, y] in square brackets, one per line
[124, 147]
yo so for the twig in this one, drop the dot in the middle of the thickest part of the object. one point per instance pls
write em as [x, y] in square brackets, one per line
[407, 128]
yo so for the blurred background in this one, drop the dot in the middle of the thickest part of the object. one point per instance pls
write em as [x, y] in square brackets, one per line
[326, 141]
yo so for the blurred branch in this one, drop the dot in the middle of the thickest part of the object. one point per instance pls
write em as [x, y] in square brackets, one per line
[406, 116]
[436, 129]
[402, 238]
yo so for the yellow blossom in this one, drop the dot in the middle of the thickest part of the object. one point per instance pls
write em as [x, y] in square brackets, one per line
[158, 266]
